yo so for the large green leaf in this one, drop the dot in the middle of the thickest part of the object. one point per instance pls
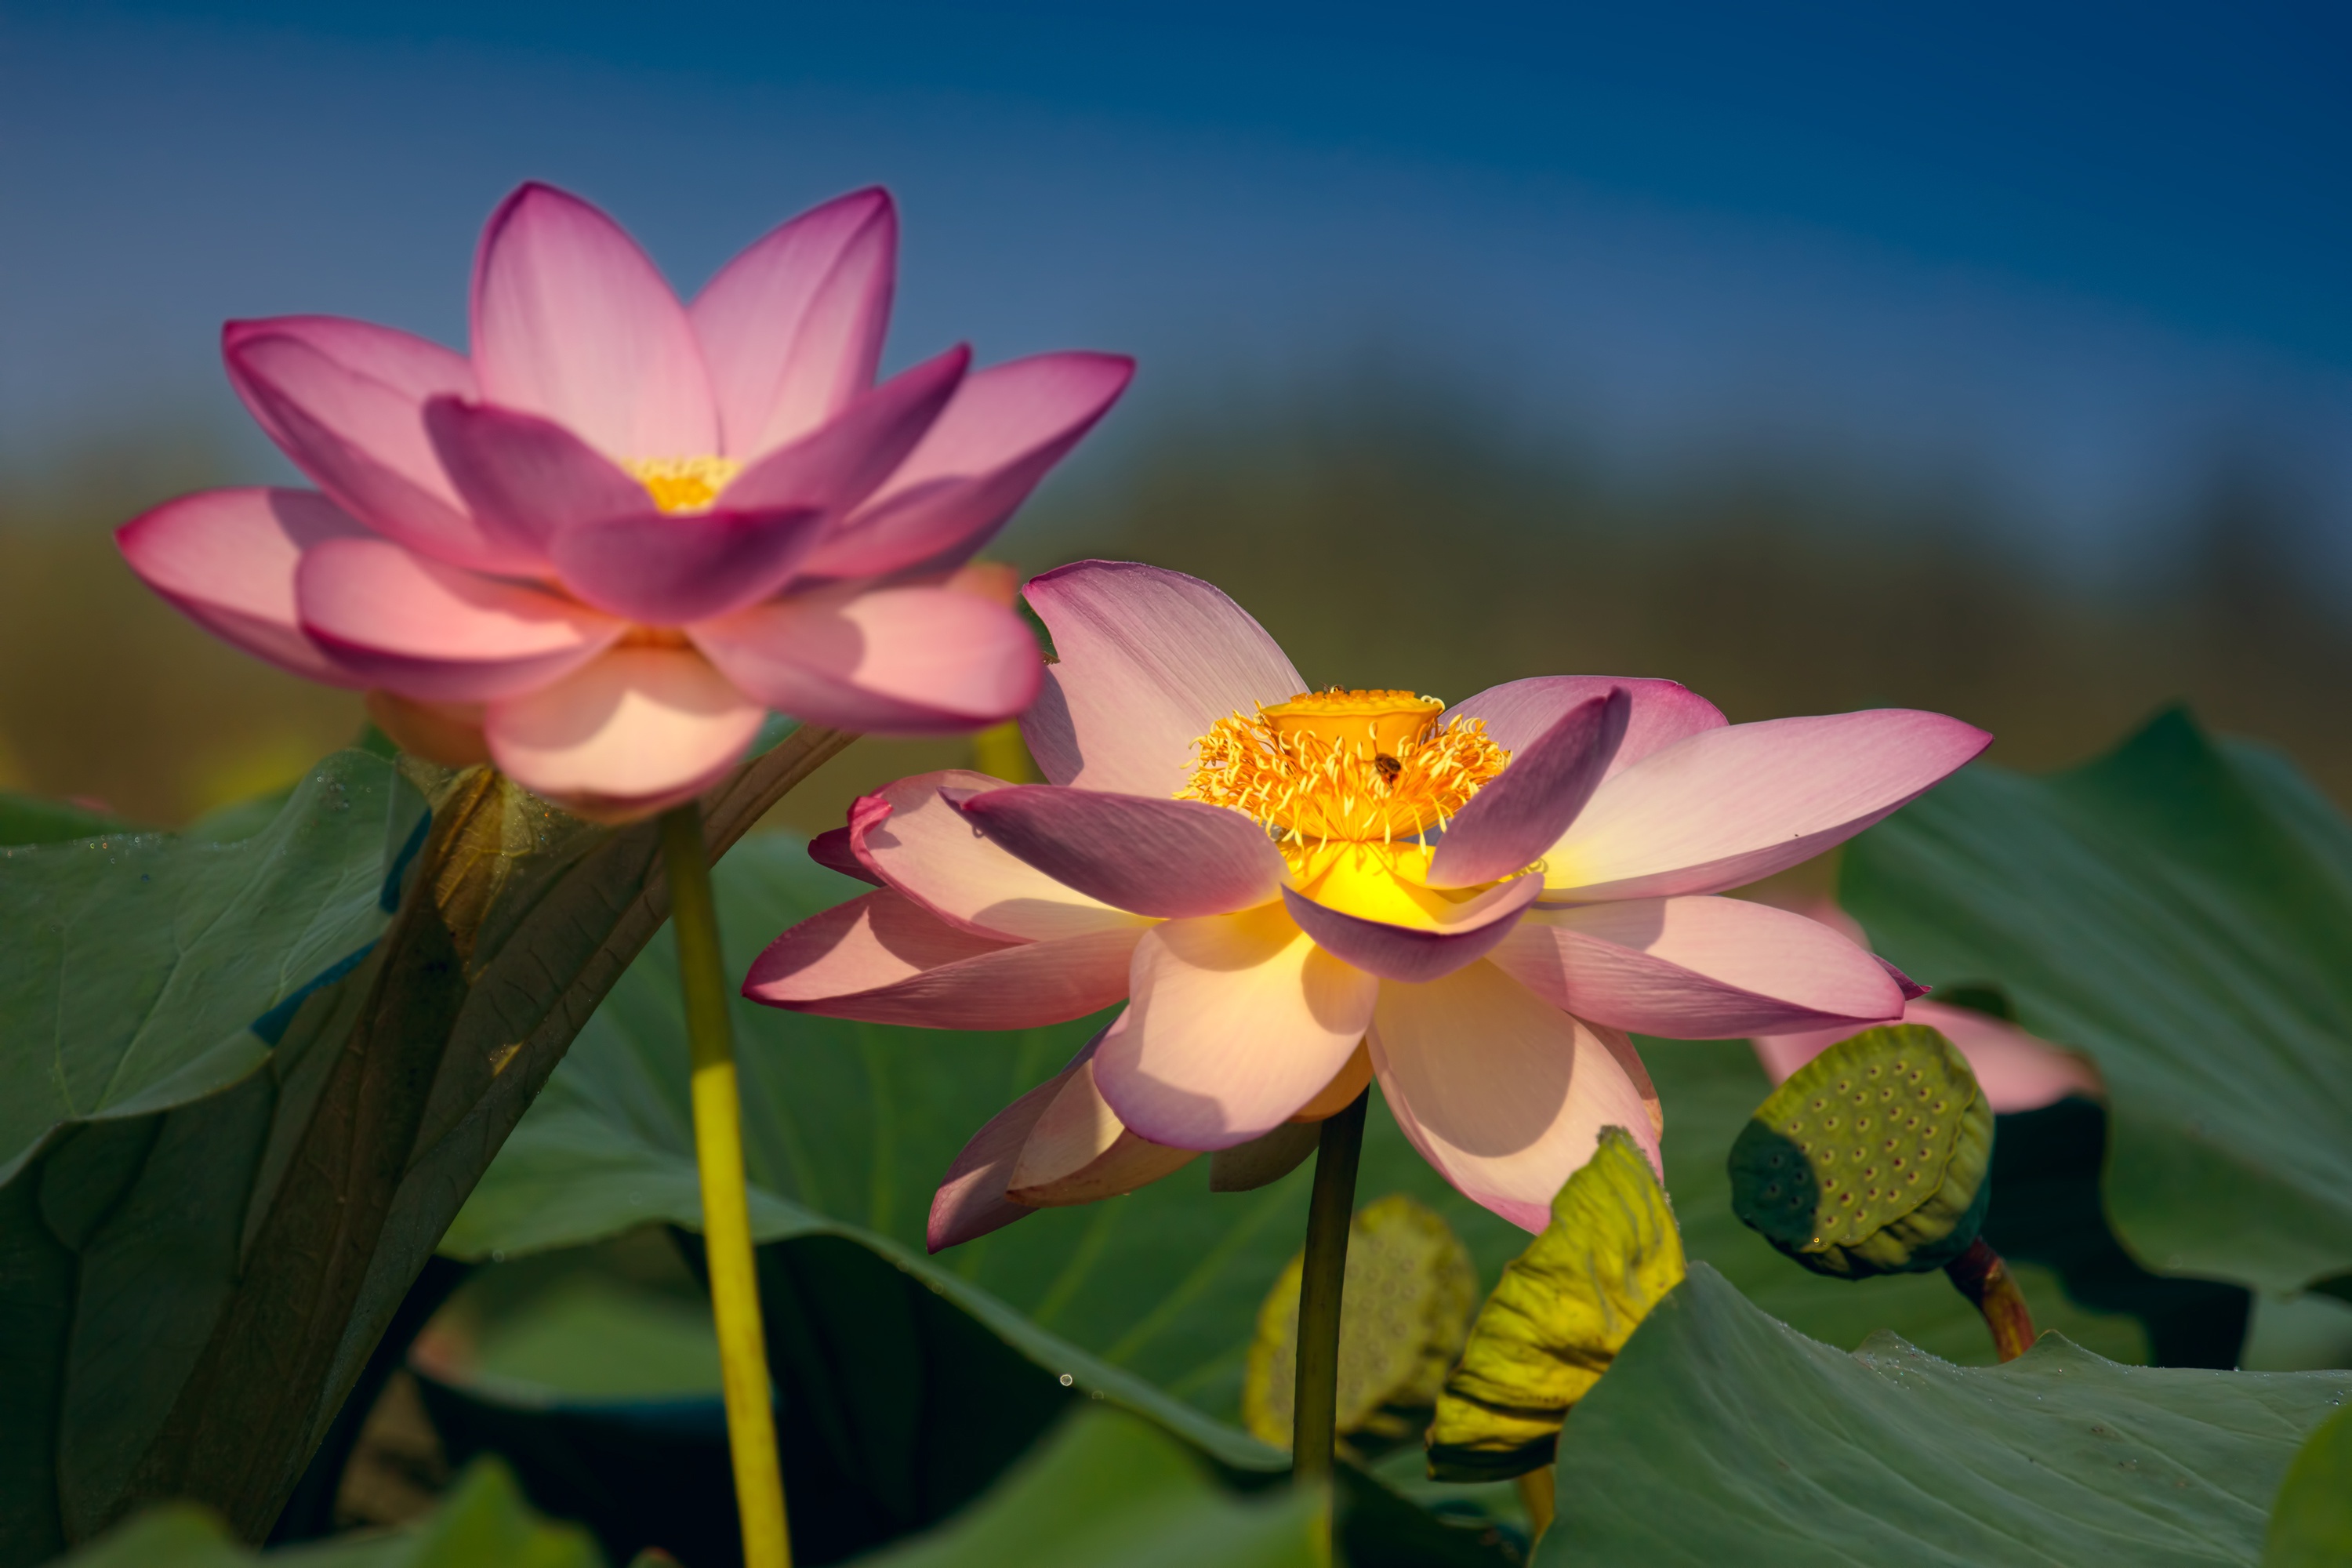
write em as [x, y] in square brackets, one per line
[133, 965]
[1150, 1300]
[2311, 1524]
[1106, 1488]
[193, 1284]
[483, 1522]
[2182, 912]
[1722, 1436]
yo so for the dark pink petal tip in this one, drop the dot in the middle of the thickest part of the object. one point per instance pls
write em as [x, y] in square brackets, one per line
[1169, 859]
[1512, 821]
[832, 850]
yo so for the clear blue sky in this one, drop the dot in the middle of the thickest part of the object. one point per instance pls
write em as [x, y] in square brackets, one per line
[2059, 245]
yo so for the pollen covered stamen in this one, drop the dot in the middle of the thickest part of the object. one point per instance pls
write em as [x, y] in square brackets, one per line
[1366, 767]
[682, 484]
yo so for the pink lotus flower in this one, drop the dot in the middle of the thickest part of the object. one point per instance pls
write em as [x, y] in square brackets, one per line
[598, 552]
[1295, 891]
[2018, 1071]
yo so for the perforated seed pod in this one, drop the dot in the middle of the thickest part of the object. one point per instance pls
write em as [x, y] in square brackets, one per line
[1870, 1159]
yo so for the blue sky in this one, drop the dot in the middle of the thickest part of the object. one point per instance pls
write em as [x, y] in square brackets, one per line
[2060, 250]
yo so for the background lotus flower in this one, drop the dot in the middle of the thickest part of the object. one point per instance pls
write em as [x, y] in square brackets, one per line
[2017, 1070]
[1297, 891]
[599, 551]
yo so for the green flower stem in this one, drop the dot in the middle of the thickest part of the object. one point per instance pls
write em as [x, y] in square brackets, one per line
[1984, 1279]
[1316, 1409]
[726, 1204]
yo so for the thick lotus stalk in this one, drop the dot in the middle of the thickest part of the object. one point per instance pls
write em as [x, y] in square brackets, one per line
[1873, 1158]
[1564, 1308]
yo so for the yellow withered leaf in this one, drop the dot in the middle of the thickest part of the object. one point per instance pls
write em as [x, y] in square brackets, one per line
[1565, 1308]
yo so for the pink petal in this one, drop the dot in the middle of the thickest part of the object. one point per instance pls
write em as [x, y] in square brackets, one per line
[449, 733]
[841, 461]
[918, 844]
[1236, 1021]
[1149, 659]
[832, 850]
[436, 632]
[1518, 816]
[885, 959]
[634, 732]
[1503, 1093]
[1517, 712]
[902, 661]
[1078, 1152]
[1416, 955]
[573, 322]
[226, 559]
[345, 400]
[970, 1201]
[792, 329]
[1726, 806]
[667, 569]
[526, 477]
[1171, 858]
[1698, 968]
[2016, 1071]
[1002, 431]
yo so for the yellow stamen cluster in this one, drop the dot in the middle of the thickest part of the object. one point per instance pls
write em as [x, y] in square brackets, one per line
[1362, 767]
[682, 484]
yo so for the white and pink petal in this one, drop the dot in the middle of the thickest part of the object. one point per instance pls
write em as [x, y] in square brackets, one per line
[1725, 807]
[1169, 858]
[1517, 712]
[1698, 968]
[918, 843]
[1149, 660]
[1234, 1022]
[1505, 1094]
[885, 959]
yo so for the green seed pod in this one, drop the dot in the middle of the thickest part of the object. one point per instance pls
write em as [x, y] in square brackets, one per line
[1870, 1159]
[1410, 1290]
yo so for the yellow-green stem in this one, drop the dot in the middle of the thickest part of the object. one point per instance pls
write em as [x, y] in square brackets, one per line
[1535, 1497]
[726, 1208]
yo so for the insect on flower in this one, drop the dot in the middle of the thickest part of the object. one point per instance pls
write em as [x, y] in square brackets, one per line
[1295, 891]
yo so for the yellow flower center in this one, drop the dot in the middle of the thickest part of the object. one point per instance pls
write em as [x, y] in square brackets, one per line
[682, 484]
[1345, 770]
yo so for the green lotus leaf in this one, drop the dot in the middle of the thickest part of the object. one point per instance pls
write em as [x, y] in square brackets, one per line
[2311, 1524]
[483, 1522]
[1870, 1159]
[1565, 1308]
[1723, 1435]
[2180, 911]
